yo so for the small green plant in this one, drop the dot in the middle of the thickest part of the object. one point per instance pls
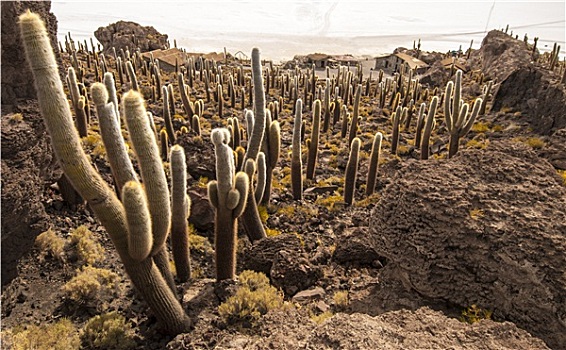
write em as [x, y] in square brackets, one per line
[333, 203]
[50, 244]
[477, 144]
[475, 314]
[341, 299]
[91, 284]
[318, 319]
[88, 250]
[476, 214]
[108, 331]
[61, 335]
[254, 298]
[480, 127]
[535, 142]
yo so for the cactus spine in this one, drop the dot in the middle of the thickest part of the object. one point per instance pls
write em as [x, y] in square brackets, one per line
[76, 166]
[228, 195]
[373, 163]
[351, 171]
[296, 157]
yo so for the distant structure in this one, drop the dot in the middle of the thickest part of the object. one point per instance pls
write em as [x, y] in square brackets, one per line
[320, 60]
[393, 62]
[169, 58]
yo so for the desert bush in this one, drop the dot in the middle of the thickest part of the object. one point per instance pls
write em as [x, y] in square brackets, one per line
[253, 298]
[341, 299]
[108, 331]
[88, 250]
[91, 284]
[50, 244]
[61, 335]
[475, 314]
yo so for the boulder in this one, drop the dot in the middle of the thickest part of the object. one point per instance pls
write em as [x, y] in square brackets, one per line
[487, 227]
[130, 35]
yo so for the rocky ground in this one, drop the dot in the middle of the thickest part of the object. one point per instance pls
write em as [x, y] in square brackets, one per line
[460, 253]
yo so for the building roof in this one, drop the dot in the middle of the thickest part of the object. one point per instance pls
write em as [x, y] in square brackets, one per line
[411, 61]
[459, 64]
[167, 56]
[318, 56]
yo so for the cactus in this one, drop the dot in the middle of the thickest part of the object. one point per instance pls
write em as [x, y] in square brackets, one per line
[313, 146]
[420, 124]
[164, 144]
[351, 171]
[458, 121]
[180, 208]
[326, 124]
[373, 163]
[167, 119]
[78, 102]
[485, 96]
[228, 195]
[271, 148]
[395, 135]
[429, 124]
[75, 164]
[132, 76]
[296, 157]
[140, 240]
[261, 177]
[220, 100]
[355, 115]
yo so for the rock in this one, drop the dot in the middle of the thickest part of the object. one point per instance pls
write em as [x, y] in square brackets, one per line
[202, 213]
[309, 295]
[27, 159]
[500, 55]
[260, 256]
[421, 329]
[541, 100]
[436, 75]
[16, 74]
[487, 227]
[124, 34]
[555, 150]
[292, 272]
[355, 247]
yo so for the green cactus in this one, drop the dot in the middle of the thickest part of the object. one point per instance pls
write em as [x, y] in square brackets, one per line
[76, 165]
[351, 171]
[373, 163]
[315, 134]
[429, 125]
[180, 209]
[228, 195]
[132, 76]
[396, 126]
[458, 120]
[296, 157]
[167, 119]
[356, 115]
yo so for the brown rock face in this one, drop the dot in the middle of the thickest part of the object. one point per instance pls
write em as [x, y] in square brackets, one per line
[27, 159]
[16, 75]
[123, 34]
[523, 86]
[487, 227]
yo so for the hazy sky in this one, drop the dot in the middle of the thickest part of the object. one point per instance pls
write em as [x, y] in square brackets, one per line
[210, 25]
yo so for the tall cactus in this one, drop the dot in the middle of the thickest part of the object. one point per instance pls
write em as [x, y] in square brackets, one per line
[313, 145]
[180, 208]
[352, 171]
[429, 125]
[355, 115]
[228, 195]
[458, 120]
[296, 157]
[373, 163]
[75, 164]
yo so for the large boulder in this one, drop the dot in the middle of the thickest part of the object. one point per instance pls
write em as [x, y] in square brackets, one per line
[487, 227]
[124, 34]
[27, 159]
[524, 86]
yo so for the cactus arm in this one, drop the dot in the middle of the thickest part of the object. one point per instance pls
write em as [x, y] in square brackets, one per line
[354, 123]
[111, 88]
[132, 75]
[313, 148]
[447, 107]
[261, 177]
[396, 125]
[152, 173]
[256, 136]
[140, 240]
[120, 163]
[478, 103]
